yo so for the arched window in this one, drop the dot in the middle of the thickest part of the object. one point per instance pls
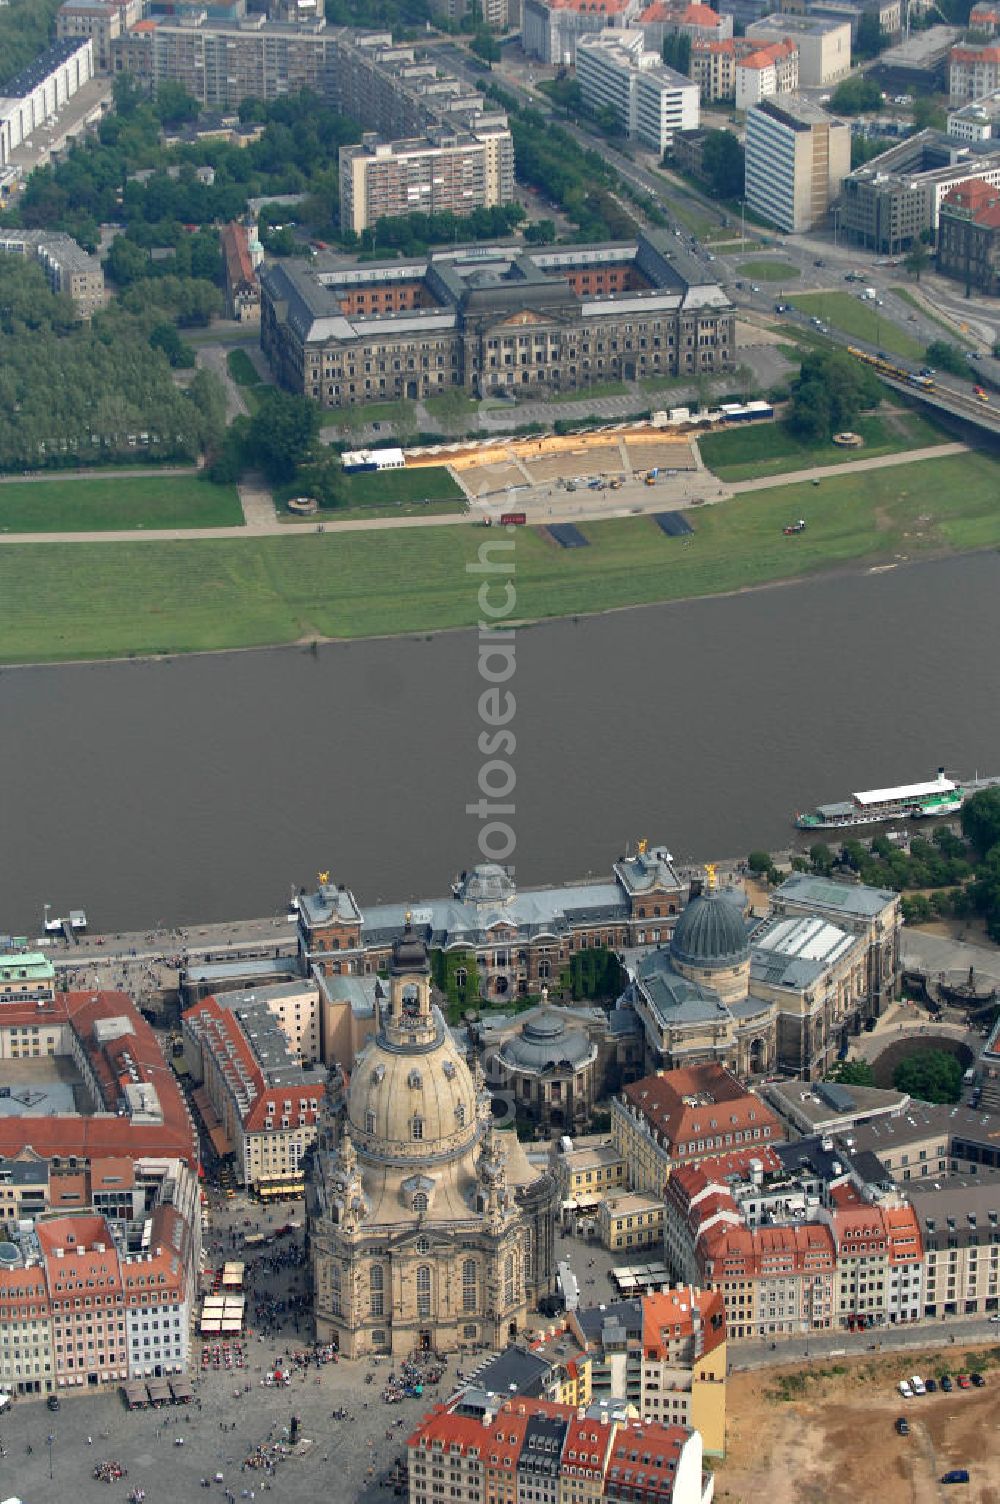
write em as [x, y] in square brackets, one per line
[423, 1292]
[335, 1299]
[417, 1126]
[420, 1201]
[369, 1122]
[508, 1279]
[470, 1285]
[527, 1261]
[460, 1114]
[544, 969]
[377, 1282]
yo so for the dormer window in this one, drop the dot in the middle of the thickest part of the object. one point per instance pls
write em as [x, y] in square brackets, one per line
[414, 1080]
[460, 1114]
[369, 1121]
[417, 1127]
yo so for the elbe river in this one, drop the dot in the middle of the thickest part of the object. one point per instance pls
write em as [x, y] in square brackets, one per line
[168, 792]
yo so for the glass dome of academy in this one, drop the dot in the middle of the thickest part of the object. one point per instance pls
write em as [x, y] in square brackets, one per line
[428, 1227]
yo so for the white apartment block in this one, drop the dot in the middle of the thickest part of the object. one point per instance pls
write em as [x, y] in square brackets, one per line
[446, 170]
[651, 101]
[773, 69]
[977, 120]
[797, 156]
[40, 91]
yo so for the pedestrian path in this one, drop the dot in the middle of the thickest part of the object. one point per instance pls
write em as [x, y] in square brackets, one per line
[262, 522]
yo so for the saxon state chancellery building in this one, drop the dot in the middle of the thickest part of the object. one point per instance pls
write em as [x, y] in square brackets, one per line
[493, 319]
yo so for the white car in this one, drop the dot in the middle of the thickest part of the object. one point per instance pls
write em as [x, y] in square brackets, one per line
[995, 1318]
[905, 1390]
[917, 1384]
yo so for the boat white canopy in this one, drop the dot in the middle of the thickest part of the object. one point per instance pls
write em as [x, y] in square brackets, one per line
[906, 792]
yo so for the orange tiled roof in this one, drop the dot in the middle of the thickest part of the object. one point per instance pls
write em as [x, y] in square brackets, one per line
[106, 1135]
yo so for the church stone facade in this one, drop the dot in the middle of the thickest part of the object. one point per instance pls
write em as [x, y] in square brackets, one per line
[429, 1229]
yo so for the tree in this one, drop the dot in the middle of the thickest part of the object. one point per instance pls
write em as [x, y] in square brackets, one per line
[870, 38]
[855, 95]
[174, 105]
[945, 356]
[760, 862]
[724, 163]
[821, 857]
[283, 432]
[829, 392]
[928, 114]
[540, 232]
[165, 337]
[916, 259]
[485, 45]
[677, 52]
[852, 1073]
[930, 1076]
[981, 820]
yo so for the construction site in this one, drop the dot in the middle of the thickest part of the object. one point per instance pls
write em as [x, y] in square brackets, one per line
[828, 1431]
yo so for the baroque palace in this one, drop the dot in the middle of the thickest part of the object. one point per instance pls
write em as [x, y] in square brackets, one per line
[493, 320]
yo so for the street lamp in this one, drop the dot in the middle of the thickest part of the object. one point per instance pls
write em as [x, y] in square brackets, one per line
[48, 1441]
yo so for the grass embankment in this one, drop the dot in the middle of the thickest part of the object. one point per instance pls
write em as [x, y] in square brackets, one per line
[246, 376]
[772, 448]
[62, 601]
[926, 312]
[113, 503]
[769, 271]
[387, 493]
[846, 312]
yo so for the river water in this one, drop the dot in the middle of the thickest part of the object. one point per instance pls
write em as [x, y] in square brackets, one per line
[202, 788]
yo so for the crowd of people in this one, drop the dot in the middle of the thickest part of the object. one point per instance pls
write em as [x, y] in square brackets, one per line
[110, 1471]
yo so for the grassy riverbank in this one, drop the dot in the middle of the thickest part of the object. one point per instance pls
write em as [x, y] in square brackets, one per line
[111, 503]
[773, 449]
[65, 601]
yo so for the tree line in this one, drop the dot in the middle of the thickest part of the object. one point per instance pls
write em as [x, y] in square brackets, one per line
[78, 394]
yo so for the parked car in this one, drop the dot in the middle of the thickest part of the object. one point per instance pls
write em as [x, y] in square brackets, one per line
[917, 1384]
[903, 1426]
[995, 1319]
[964, 1382]
[978, 1381]
[931, 1386]
[956, 1475]
[53, 1402]
[905, 1390]
[946, 1384]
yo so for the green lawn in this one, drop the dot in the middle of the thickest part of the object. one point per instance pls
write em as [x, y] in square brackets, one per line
[113, 502]
[242, 369]
[846, 312]
[769, 271]
[391, 493]
[772, 449]
[453, 404]
[60, 601]
[399, 413]
[597, 389]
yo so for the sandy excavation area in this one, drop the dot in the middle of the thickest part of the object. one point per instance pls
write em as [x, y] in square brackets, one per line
[835, 1441]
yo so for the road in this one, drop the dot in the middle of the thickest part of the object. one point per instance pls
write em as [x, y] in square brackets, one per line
[946, 1332]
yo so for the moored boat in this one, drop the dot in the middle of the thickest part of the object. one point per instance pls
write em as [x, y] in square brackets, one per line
[913, 801]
